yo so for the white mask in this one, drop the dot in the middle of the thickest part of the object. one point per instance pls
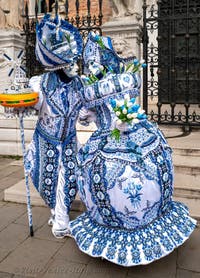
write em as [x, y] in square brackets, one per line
[94, 67]
[71, 70]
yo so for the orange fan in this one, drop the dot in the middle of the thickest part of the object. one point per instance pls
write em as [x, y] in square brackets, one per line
[19, 100]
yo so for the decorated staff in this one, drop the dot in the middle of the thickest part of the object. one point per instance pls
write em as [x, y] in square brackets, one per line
[17, 100]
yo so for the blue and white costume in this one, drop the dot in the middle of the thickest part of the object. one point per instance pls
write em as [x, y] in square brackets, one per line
[127, 188]
[51, 159]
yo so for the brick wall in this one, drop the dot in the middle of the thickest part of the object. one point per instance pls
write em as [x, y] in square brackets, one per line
[94, 8]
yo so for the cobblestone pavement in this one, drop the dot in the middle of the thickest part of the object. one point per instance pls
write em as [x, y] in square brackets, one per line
[44, 256]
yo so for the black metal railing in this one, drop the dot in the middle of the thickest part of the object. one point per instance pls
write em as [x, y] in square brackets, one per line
[85, 24]
[171, 46]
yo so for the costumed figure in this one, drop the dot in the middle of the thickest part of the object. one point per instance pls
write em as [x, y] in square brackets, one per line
[125, 179]
[51, 158]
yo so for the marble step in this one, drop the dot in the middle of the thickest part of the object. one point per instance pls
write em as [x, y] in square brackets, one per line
[192, 204]
[187, 152]
[186, 180]
[186, 145]
[17, 194]
[186, 164]
[187, 186]
[190, 193]
[170, 131]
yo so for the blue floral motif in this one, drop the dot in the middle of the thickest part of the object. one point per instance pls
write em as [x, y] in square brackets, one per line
[68, 152]
[48, 181]
[49, 167]
[130, 247]
[50, 153]
[133, 190]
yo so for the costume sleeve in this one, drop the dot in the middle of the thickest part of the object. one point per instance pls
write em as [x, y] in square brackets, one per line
[34, 83]
[113, 85]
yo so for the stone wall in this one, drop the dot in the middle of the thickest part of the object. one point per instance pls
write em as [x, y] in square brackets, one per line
[107, 8]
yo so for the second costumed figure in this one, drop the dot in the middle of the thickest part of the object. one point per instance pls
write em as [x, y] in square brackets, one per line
[126, 181]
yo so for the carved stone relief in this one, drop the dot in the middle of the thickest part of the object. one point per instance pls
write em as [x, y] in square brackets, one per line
[124, 8]
[61, 8]
[122, 47]
[10, 14]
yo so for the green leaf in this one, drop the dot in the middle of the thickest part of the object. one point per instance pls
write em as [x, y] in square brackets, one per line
[128, 66]
[115, 133]
[67, 36]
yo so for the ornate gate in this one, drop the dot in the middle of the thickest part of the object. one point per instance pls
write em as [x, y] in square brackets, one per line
[171, 46]
[85, 24]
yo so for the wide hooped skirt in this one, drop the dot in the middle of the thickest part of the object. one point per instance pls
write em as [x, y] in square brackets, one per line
[134, 247]
[127, 188]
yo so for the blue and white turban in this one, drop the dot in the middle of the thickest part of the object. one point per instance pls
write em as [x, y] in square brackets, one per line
[58, 43]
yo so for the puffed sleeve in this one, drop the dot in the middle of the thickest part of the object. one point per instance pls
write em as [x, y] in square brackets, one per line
[34, 83]
[112, 85]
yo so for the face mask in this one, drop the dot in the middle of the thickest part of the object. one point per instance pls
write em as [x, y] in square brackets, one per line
[95, 67]
[71, 70]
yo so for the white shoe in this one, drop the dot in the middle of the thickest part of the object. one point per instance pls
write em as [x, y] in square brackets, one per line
[51, 220]
[61, 233]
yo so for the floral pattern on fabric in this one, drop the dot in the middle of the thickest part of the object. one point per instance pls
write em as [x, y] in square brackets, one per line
[134, 247]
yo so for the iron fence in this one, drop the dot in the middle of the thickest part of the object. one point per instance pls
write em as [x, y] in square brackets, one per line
[171, 46]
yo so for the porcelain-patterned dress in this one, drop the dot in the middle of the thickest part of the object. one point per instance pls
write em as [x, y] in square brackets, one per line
[51, 157]
[127, 188]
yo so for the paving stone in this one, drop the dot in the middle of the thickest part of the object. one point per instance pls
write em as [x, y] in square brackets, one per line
[4, 161]
[20, 276]
[3, 254]
[9, 170]
[189, 252]
[17, 193]
[18, 162]
[30, 258]
[18, 174]
[9, 213]
[12, 236]
[45, 233]
[5, 275]
[1, 195]
[181, 273]
[99, 268]
[64, 269]
[40, 216]
[165, 268]
[65, 252]
[8, 181]
[73, 214]
[2, 203]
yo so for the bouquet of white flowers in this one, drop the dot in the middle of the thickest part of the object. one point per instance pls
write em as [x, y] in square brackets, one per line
[128, 112]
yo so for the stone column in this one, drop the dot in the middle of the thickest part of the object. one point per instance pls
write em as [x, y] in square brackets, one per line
[11, 40]
[11, 43]
[61, 9]
[125, 27]
[31, 7]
